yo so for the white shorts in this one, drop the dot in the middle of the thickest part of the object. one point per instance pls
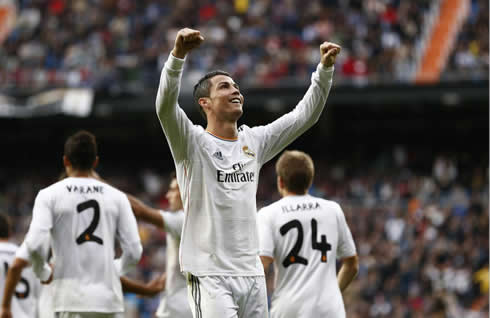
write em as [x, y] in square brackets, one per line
[175, 305]
[227, 296]
[65, 314]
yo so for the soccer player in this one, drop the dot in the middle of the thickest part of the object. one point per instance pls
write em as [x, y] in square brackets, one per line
[174, 303]
[304, 236]
[83, 217]
[26, 293]
[218, 170]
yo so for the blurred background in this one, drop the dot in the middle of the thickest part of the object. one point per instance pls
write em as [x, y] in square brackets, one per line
[402, 145]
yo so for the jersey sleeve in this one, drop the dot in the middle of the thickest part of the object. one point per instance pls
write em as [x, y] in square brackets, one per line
[38, 235]
[127, 233]
[22, 252]
[37, 261]
[284, 130]
[266, 236]
[174, 221]
[346, 246]
[175, 123]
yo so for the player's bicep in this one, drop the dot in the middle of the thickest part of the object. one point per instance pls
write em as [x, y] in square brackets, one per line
[127, 228]
[178, 130]
[41, 224]
[346, 246]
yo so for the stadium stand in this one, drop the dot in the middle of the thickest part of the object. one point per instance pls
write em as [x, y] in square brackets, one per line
[121, 44]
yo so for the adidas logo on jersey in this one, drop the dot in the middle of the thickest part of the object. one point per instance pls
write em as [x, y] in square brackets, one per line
[218, 155]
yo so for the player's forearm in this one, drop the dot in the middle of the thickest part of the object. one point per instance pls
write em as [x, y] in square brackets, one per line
[315, 98]
[136, 287]
[13, 277]
[37, 245]
[169, 87]
[348, 271]
[145, 213]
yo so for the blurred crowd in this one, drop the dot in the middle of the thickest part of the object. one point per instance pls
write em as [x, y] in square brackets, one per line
[470, 55]
[120, 45]
[421, 233]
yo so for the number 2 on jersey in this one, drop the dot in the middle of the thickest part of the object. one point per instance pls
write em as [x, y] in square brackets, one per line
[88, 235]
[293, 256]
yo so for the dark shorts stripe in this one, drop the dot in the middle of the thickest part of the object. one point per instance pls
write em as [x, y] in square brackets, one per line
[196, 295]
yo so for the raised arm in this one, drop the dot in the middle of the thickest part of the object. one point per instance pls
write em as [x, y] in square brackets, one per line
[173, 120]
[144, 212]
[168, 91]
[280, 133]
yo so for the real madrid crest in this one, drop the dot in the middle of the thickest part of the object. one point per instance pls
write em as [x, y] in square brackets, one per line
[248, 152]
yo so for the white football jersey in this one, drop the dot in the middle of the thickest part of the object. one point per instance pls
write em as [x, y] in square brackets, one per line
[83, 218]
[218, 178]
[305, 235]
[26, 296]
[174, 300]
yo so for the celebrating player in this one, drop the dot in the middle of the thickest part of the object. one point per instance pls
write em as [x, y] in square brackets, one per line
[83, 217]
[218, 170]
[305, 235]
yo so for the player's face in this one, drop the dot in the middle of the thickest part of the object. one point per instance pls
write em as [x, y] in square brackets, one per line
[173, 196]
[226, 99]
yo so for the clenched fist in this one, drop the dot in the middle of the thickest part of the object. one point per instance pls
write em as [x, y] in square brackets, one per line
[186, 40]
[329, 52]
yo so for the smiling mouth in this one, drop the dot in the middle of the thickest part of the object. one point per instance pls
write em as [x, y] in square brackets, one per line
[235, 100]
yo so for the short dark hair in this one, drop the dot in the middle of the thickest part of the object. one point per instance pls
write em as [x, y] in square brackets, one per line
[4, 226]
[296, 170]
[81, 150]
[203, 87]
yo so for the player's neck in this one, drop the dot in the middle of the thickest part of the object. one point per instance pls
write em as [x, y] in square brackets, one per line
[226, 130]
[79, 174]
[286, 193]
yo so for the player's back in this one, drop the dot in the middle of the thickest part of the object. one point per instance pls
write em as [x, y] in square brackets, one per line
[85, 216]
[25, 299]
[308, 234]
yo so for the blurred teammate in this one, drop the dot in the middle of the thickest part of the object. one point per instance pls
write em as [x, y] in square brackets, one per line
[304, 236]
[24, 303]
[174, 303]
[83, 217]
[217, 171]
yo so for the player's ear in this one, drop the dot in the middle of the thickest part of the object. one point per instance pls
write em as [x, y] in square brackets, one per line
[66, 162]
[205, 103]
[280, 183]
[96, 162]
